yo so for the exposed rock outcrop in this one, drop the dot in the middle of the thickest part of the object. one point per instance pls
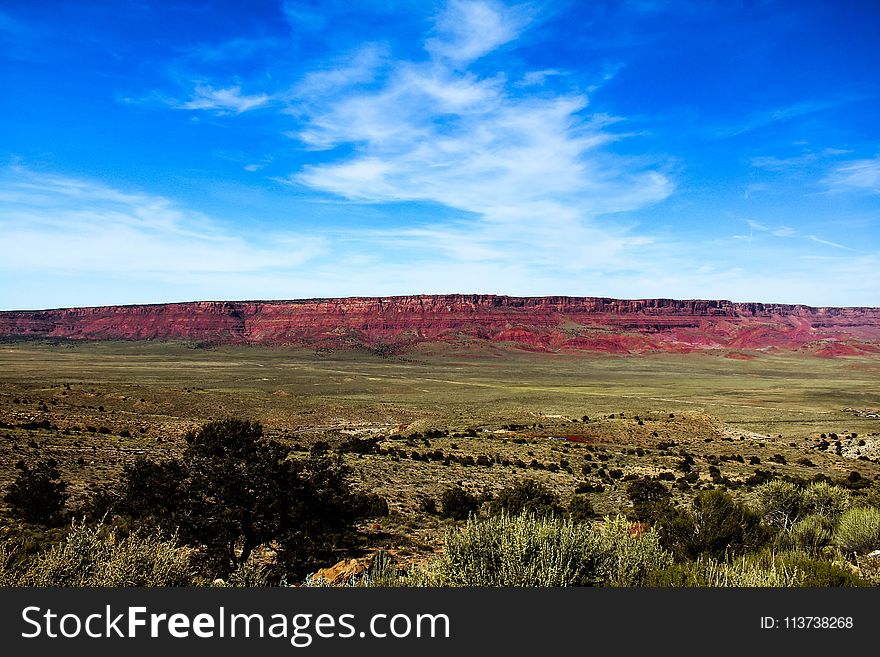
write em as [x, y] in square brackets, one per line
[537, 323]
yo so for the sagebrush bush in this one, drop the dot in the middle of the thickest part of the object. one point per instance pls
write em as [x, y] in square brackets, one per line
[530, 551]
[826, 500]
[8, 572]
[249, 574]
[858, 530]
[781, 502]
[94, 556]
[819, 573]
[518, 551]
[629, 558]
[740, 572]
[784, 503]
[811, 534]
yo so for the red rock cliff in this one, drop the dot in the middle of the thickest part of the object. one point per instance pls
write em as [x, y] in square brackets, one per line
[545, 323]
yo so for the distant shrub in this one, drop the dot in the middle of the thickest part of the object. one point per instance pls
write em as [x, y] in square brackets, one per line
[458, 503]
[650, 498]
[526, 496]
[580, 509]
[355, 445]
[585, 487]
[858, 530]
[369, 505]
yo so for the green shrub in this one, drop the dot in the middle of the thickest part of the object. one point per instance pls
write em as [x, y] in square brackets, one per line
[521, 550]
[628, 559]
[811, 534]
[781, 503]
[38, 493]
[826, 500]
[819, 573]
[249, 574]
[716, 525]
[709, 572]
[458, 503]
[530, 551]
[858, 530]
[580, 509]
[526, 496]
[650, 499]
[94, 556]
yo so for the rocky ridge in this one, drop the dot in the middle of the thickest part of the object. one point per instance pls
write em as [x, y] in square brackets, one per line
[392, 324]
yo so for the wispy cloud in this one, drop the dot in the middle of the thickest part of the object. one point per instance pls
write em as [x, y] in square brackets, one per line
[467, 30]
[527, 170]
[770, 116]
[771, 163]
[786, 232]
[233, 49]
[61, 224]
[818, 240]
[859, 175]
[340, 73]
[223, 100]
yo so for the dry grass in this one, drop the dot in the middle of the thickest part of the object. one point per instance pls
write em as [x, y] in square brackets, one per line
[145, 396]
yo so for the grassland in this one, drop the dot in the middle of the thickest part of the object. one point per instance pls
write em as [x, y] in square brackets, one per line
[93, 406]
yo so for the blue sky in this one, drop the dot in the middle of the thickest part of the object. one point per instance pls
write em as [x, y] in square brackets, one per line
[170, 151]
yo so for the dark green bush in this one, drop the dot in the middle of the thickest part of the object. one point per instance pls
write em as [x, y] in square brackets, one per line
[580, 509]
[650, 499]
[529, 496]
[822, 574]
[458, 503]
[234, 490]
[38, 493]
[716, 525]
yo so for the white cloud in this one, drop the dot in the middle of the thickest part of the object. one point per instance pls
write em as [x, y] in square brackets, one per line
[755, 225]
[58, 224]
[525, 168]
[468, 30]
[818, 240]
[358, 67]
[538, 78]
[225, 100]
[771, 163]
[855, 175]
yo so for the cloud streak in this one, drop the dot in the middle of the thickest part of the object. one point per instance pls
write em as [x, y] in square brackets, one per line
[855, 175]
[528, 171]
[223, 100]
[61, 224]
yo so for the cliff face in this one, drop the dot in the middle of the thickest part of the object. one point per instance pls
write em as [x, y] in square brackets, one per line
[540, 323]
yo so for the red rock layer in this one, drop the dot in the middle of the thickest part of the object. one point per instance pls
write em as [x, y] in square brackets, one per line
[541, 323]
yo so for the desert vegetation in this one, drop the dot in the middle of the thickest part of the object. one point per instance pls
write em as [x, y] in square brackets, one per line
[164, 465]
